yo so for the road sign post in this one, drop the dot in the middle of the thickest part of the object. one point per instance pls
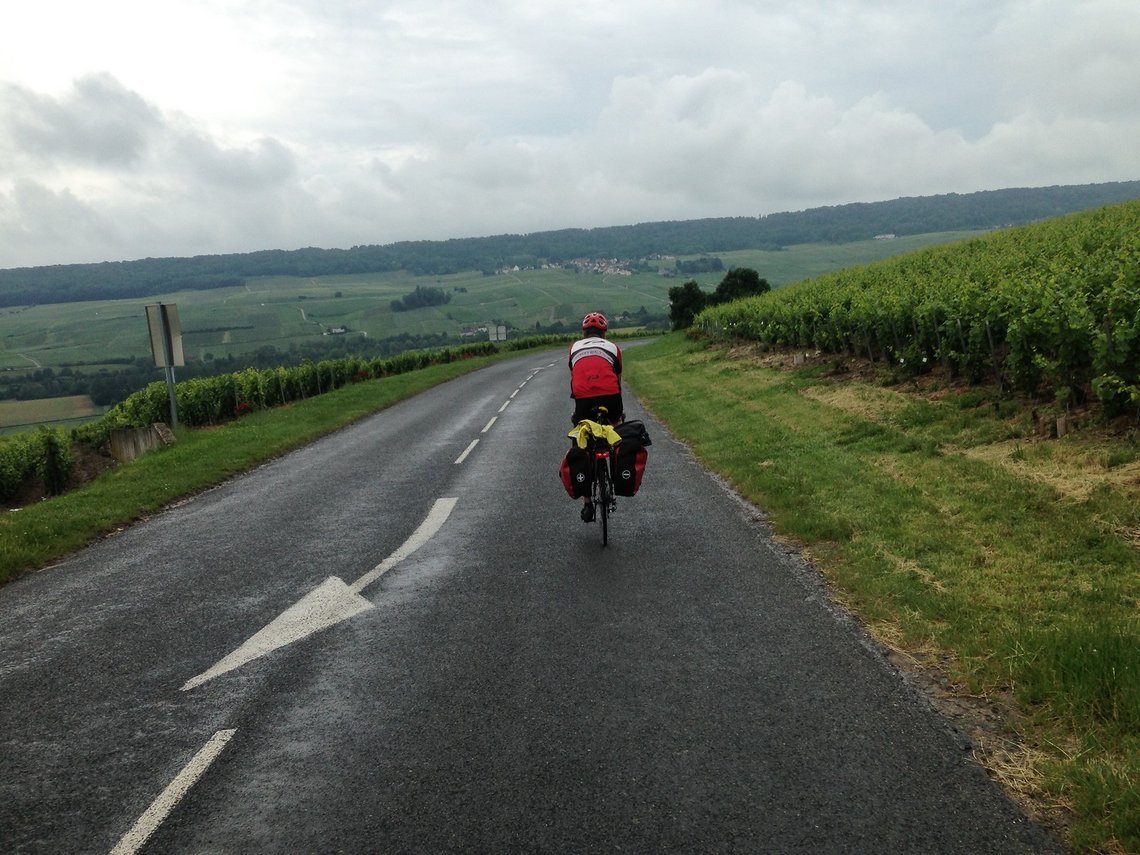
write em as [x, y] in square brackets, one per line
[166, 346]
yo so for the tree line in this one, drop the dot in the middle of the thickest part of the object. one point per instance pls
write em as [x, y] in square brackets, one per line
[689, 300]
[835, 224]
[420, 298]
[704, 264]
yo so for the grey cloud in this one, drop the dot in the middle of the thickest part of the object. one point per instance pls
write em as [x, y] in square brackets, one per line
[420, 119]
[39, 220]
[98, 122]
[263, 164]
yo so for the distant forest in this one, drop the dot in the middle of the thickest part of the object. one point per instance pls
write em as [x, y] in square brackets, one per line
[837, 224]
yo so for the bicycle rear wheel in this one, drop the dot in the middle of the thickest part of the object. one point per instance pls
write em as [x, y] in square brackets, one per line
[605, 497]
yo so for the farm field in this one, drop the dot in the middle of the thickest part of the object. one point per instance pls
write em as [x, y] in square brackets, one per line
[67, 411]
[796, 263]
[281, 311]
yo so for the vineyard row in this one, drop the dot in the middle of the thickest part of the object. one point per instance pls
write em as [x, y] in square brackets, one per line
[47, 453]
[1051, 309]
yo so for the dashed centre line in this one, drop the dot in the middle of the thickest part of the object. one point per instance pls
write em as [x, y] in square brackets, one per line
[466, 451]
[487, 427]
[161, 807]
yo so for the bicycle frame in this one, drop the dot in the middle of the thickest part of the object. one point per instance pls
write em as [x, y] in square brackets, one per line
[602, 487]
[603, 491]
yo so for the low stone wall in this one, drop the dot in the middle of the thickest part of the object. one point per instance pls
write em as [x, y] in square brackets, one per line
[129, 443]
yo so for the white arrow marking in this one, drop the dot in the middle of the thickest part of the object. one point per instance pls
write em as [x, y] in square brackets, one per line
[434, 521]
[327, 605]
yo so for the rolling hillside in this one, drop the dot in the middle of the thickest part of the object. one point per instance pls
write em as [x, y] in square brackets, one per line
[836, 224]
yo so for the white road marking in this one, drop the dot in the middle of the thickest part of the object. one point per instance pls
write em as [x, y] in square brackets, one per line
[515, 392]
[467, 451]
[327, 605]
[488, 427]
[434, 521]
[161, 807]
[504, 406]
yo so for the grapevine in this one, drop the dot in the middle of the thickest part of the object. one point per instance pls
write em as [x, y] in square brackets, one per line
[1051, 309]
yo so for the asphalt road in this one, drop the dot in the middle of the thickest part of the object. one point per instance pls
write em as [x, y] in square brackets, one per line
[396, 641]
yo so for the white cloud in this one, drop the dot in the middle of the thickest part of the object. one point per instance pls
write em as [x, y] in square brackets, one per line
[220, 126]
[1068, 59]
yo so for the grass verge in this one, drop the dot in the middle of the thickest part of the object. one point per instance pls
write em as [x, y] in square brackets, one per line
[201, 458]
[1003, 569]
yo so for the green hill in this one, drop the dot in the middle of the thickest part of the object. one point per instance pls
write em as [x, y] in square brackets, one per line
[836, 224]
[100, 348]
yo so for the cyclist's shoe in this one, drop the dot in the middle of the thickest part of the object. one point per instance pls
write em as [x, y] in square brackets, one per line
[588, 512]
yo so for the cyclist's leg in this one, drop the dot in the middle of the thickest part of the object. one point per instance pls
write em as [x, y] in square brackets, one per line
[588, 508]
[588, 499]
[617, 410]
[583, 409]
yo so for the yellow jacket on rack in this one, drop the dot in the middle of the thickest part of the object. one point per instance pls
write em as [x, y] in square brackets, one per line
[585, 429]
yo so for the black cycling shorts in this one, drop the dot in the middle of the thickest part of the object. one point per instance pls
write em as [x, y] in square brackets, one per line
[584, 408]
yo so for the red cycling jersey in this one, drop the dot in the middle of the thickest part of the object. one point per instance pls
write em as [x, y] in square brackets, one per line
[595, 368]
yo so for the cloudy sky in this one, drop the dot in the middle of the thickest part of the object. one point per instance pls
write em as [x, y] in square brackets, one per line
[135, 128]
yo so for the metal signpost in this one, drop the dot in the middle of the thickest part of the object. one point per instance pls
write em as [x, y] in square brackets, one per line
[166, 345]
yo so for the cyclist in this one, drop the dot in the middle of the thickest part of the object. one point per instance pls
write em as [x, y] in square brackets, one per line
[595, 379]
[595, 372]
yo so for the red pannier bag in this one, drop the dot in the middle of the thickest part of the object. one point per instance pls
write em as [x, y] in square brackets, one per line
[628, 460]
[575, 472]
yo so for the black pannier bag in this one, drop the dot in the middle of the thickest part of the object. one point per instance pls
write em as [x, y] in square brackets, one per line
[575, 472]
[629, 457]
